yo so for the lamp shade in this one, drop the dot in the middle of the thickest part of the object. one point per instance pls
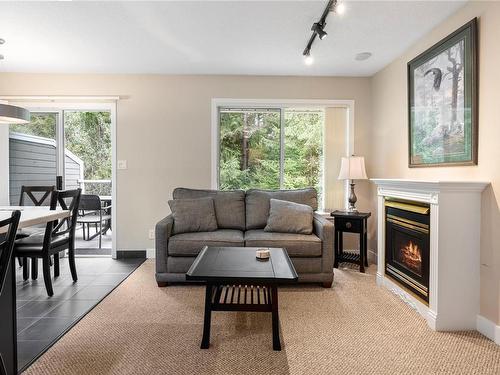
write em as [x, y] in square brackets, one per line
[353, 168]
[10, 114]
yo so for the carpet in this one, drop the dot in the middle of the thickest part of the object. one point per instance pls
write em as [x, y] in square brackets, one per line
[354, 328]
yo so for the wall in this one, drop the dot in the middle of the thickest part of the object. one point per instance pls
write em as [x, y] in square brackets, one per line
[164, 128]
[388, 158]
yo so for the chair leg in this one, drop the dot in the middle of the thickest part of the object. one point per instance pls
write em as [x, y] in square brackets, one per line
[83, 231]
[34, 268]
[100, 234]
[26, 269]
[19, 260]
[71, 259]
[46, 275]
[56, 265]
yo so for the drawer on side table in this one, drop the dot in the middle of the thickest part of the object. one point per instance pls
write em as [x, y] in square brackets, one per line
[347, 225]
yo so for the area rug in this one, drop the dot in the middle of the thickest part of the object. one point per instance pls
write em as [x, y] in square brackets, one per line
[355, 327]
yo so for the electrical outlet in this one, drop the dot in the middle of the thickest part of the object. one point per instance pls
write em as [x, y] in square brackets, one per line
[122, 164]
[151, 234]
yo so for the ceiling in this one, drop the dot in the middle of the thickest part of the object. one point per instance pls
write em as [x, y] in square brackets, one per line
[209, 37]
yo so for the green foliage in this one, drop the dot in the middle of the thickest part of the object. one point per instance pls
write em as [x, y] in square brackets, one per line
[41, 125]
[88, 135]
[250, 150]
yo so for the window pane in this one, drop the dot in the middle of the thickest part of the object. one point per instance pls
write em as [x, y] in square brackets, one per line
[304, 149]
[32, 154]
[88, 151]
[249, 149]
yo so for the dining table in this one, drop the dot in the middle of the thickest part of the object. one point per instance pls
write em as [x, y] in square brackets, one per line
[8, 320]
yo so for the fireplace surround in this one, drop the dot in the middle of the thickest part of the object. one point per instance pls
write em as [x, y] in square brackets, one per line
[454, 249]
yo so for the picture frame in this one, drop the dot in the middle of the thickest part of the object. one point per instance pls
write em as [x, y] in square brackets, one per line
[443, 102]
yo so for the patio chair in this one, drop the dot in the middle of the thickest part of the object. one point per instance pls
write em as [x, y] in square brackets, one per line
[58, 236]
[93, 212]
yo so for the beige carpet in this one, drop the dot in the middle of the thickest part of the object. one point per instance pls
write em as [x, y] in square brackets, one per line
[353, 328]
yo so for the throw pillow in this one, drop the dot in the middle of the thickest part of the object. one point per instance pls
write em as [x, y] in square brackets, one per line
[289, 217]
[193, 215]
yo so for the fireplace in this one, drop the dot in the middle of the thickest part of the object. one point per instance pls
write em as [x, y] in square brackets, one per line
[407, 248]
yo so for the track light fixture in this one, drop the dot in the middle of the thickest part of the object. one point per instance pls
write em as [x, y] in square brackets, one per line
[318, 28]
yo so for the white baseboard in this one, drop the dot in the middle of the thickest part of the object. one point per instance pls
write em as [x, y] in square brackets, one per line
[488, 328]
[150, 253]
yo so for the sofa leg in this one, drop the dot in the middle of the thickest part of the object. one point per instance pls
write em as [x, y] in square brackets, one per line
[327, 284]
[162, 284]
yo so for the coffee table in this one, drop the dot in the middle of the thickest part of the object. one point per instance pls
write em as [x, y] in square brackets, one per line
[238, 281]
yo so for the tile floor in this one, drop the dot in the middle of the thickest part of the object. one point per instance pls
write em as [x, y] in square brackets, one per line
[41, 320]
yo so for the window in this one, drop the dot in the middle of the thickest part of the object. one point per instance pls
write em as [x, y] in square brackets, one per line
[270, 148]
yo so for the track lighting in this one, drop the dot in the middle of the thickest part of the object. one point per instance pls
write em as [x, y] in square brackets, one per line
[318, 29]
[308, 59]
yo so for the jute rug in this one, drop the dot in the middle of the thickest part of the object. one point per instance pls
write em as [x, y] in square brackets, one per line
[353, 328]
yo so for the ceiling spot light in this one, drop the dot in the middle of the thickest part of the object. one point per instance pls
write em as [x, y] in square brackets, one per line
[362, 56]
[340, 8]
[318, 29]
[308, 59]
[2, 41]
[2, 57]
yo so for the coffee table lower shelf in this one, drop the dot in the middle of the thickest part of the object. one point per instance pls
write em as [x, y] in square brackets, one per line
[254, 298]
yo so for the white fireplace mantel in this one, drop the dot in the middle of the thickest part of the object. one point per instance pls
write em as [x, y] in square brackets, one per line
[455, 223]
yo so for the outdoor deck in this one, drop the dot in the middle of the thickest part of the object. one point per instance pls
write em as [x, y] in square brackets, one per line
[91, 247]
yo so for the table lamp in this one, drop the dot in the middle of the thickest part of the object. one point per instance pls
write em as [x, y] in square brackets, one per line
[352, 168]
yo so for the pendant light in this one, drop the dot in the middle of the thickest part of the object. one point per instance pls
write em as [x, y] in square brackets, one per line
[10, 114]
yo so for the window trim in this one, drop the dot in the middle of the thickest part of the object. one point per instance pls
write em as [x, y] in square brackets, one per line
[281, 104]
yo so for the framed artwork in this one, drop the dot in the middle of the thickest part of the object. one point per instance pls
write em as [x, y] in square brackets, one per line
[442, 102]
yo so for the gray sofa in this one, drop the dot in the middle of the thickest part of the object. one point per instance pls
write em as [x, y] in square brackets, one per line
[241, 218]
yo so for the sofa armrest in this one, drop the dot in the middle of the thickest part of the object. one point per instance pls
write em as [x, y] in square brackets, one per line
[163, 231]
[324, 229]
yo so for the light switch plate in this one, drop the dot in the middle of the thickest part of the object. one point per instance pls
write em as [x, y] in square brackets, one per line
[151, 234]
[122, 164]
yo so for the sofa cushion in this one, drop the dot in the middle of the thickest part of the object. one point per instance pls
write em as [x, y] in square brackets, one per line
[297, 245]
[289, 217]
[229, 205]
[193, 215]
[190, 244]
[257, 203]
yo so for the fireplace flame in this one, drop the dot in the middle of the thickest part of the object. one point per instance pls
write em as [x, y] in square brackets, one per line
[412, 256]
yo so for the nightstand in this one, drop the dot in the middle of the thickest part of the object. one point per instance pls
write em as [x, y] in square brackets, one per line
[351, 222]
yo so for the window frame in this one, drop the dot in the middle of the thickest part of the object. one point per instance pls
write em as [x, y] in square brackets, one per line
[282, 105]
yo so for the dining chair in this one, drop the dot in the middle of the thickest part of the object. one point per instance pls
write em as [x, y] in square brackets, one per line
[58, 236]
[33, 196]
[93, 212]
[6, 250]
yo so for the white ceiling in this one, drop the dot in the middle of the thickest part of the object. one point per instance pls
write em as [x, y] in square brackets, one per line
[209, 37]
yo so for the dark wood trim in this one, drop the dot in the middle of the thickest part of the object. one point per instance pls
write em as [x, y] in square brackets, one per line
[123, 254]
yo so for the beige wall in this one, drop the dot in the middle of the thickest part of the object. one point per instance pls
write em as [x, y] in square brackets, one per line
[164, 128]
[389, 143]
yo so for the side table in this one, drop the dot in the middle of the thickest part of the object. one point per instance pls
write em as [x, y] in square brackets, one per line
[351, 222]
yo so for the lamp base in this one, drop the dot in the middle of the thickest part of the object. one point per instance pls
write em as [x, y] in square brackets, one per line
[352, 199]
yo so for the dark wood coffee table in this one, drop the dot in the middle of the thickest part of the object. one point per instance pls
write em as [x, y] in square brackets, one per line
[238, 281]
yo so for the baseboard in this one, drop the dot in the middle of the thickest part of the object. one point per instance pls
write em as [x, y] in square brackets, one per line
[488, 328]
[122, 254]
[150, 253]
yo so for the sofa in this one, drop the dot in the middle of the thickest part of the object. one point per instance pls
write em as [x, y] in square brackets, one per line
[241, 218]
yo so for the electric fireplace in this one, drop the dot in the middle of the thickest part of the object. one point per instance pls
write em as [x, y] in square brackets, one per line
[407, 250]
